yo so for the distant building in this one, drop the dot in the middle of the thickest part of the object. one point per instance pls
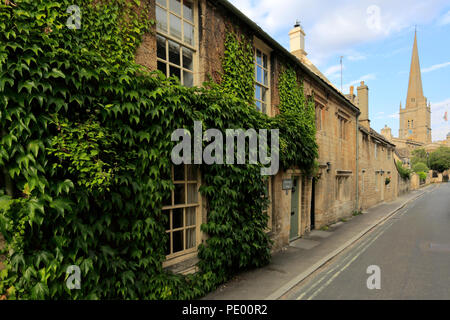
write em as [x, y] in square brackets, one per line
[415, 119]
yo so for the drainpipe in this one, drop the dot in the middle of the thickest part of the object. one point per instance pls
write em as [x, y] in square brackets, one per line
[357, 163]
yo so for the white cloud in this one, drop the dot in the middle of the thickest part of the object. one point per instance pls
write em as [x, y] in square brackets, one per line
[370, 76]
[394, 116]
[439, 125]
[333, 27]
[436, 67]
[445, 19]
[356, 57]
[334, 71]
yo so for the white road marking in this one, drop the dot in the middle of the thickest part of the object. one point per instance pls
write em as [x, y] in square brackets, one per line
[362, 248]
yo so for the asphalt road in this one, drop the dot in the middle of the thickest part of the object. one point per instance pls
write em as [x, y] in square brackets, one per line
[411, 249]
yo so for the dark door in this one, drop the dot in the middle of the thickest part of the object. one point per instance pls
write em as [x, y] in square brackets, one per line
[313, 205]
[295, 209]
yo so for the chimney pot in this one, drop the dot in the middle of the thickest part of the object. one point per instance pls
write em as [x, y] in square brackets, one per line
[352, 90]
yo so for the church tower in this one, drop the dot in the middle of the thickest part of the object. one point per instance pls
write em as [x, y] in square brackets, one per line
[415, 118]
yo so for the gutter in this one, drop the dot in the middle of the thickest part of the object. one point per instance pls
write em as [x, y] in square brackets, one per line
[226, 4]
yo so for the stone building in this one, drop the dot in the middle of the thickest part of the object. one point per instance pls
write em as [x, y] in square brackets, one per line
[188, 41]
[415, 119]
[354, 160]
[335, 194]
[377, 172]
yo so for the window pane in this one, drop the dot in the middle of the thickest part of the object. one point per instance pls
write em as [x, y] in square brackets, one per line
[188, 33]
[259, 76]
[177, 218]
[190, 238]
[161, 47]
[265, 61]
[192, 193]
[162, 2]
[175, 26]
[179, 194]
[162, 67]
[258, 92]
[161, 19]
[176, 72]
[167, 220]
[266, 78]
[167, 201]
[192, 173]
[177, 241]
[174, 53]
[188, 61]
[258, 106]
[264, 94]
[258, 57]
[264, 108]
[190, 217]
[188, 79]
[178, 172]
[175, 6]
[187, 11]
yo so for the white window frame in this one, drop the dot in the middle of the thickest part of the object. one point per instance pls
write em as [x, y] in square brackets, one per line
[262, 47]
[167, 36]
[174, 258]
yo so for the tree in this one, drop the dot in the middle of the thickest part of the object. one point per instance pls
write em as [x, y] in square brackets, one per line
[420, 167]
[405, 173]
[440, 159]
[419, 155]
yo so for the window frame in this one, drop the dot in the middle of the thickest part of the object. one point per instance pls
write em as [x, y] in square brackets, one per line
[174, 258]
[168, 37]
[264, 49]
[319, 115]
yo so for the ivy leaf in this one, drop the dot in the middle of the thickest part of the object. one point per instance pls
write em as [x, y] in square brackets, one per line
[39, 291]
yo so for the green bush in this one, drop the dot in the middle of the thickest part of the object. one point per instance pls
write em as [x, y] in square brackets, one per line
[440, 159]
[420, 167]
[85, 155]
[404, 173]
[422, 176]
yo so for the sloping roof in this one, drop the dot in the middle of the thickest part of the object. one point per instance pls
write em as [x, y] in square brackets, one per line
[402, 152]
[309, 69]
[376, 135]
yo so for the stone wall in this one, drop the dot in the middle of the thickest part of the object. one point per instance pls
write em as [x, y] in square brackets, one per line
[337, 158]
[376, 165]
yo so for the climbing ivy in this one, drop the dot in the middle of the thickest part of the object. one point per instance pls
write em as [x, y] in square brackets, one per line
[85, 151]
[238, 76]
[297, 123]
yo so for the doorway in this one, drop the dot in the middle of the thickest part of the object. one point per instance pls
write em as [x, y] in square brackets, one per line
[313, 205]
[295, 206]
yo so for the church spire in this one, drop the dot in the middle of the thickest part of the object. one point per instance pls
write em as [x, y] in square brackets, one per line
[415, 91]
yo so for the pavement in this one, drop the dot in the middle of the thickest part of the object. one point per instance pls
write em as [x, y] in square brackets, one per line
[307, 255]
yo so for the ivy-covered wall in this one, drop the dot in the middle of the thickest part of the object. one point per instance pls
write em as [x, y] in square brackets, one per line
[85, 157]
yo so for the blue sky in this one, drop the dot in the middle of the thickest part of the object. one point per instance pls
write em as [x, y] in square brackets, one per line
[376, 39]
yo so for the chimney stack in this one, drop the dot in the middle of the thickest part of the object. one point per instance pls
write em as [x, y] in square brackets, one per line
[363, 104]
[297, 41]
